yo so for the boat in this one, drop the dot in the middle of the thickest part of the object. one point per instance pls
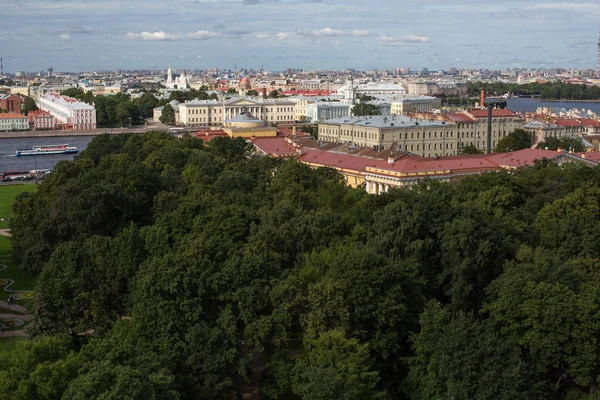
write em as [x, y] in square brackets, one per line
[43, 150]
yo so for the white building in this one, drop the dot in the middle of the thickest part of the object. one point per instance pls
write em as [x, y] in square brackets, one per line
[372, 89]
[415, 104]
[321, 111]
[422, 88]
[13, 122]
[182, 82]
[70, 112]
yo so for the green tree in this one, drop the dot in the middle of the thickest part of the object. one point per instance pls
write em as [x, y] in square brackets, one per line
[334, 367]
[232, 91]
[252, 92]
[168, 115]
[516, 140]
[365, 109]
[28, 105]
[471, 149]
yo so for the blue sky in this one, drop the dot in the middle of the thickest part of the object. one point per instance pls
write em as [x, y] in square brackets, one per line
[86, 35]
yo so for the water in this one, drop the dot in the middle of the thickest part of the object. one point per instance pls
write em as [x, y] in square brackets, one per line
[9, 161]
[530, 105]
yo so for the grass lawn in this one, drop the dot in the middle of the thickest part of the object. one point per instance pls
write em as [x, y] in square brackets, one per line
[9, 343]
[8, 193]
[21, 282]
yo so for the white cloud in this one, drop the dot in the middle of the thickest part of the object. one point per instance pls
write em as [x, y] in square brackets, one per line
[282, 36]
[564, 6]
[361, 32]
[202, 35]
[329, 32]
[262, 35]
[64, 37]
[157, 35]
[403, 40]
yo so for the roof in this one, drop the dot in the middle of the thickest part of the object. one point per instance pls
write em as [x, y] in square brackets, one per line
[208, 135]
[67, 102]
[244, 117]
[577, 122]
[460, 118]
[275, 146]
[496, 112]
[386, 121]
[12, 115]
[520, 158]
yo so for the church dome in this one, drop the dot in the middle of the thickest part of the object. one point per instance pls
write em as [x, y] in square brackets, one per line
[244, 120]
[245, 83]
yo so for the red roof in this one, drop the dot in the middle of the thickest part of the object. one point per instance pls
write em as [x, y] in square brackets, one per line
[208, 135]
[11, 115]
[308, 92]
[460, 117]
[275, 146]
[520, 158]
[496, 112]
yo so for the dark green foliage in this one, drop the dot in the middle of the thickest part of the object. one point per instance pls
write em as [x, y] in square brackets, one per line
[471, 149]
[550, 91]
[173, 269]
[365, 109]
[168, 115]
[28, 105]
[567, 143]
[516, 140]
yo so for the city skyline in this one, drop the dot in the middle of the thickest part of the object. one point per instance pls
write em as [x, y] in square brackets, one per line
[310, 34]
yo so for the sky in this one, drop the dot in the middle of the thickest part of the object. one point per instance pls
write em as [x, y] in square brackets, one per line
[88, 35]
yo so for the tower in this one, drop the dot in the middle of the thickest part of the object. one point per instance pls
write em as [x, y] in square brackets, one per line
[169, 77]
[598, 70]
[1, 67]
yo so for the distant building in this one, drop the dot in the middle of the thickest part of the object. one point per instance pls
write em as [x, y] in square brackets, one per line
[41, 120]
[181, 82]
[13, 122]
[422, 88]
[321, 111]
[69, 112]
[415, 104]
[11, 103]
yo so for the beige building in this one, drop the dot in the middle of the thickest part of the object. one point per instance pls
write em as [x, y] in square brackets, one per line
[415, 104]
[214, 113]
[13, 122]
[428, 138]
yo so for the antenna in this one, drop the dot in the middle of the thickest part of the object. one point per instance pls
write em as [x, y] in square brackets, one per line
[598, 71]
[1, 67]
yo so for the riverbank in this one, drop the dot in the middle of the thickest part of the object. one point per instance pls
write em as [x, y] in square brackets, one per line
[95, 132]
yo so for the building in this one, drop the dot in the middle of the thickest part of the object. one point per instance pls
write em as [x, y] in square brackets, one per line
[247, 126]
[372, 89]
[541, 130]
[321, 111]
[70, 113]
[415, 104]
[422, 88]
[181, 82]
[41, 120]
[22, 90]
[10, 103]
[214, 113]
[428, 138]
[13, 122]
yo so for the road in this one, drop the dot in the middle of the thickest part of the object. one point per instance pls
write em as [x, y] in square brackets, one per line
[113, 131]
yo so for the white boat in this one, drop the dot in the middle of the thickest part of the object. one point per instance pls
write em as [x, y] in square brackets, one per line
[43, 150]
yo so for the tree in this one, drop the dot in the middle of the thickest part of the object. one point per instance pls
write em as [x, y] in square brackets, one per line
[517, 140]
[365, 109]
[333, 367]
[252, 92]
[232, 91]
[28, 105]
[567, 143]
[471, 149]
[274, 94]
[168, 115]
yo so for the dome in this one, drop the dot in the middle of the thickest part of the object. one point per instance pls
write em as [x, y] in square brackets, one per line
[245, 83]
[244, 120]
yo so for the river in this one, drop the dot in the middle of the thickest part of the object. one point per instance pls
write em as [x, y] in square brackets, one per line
[9, 161]
[530, 105]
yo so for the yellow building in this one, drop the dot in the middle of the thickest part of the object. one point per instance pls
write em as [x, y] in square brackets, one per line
[247, 126]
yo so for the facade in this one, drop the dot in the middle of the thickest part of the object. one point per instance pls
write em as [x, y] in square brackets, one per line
[373, 89]
[422, 88]
[11, 103]
[69, 112]
[182, 82]
[41, 120]
[503, 123]
[247, 126]
[415, 104]
[428, 138]
[13, 122]
[321, 111]
[540, 131]
[213, 113]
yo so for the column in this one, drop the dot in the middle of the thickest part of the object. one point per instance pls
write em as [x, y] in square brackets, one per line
[368, 186]
[387, 188]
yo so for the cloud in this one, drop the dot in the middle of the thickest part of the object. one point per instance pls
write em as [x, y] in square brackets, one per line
[64, 37]
[403, 40]
[564, 6]
[79, 30]
[262, 35]
[202, 35]
[251, 2]
[282, 36]
[236, 32]
[329, 32]
[157, 35]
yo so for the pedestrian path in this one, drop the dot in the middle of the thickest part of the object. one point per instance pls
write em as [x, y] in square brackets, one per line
[11, 321]
[5, 232]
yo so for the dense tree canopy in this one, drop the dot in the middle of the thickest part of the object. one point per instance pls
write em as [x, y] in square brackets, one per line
[173, 269]
[516, 140]
[365, 109]
[549, 91]
[567, 143]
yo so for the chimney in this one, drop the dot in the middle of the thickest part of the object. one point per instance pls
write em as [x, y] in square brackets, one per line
[583, 155]
[482, 100]
[390, 160]
[560, 150]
